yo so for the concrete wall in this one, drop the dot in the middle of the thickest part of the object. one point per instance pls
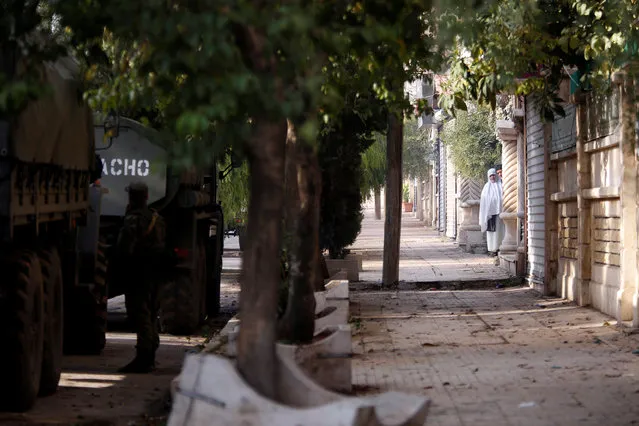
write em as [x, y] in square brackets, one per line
[603, 153]
[584, 248]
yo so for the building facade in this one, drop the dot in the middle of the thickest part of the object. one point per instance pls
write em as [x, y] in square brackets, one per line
[579, 212]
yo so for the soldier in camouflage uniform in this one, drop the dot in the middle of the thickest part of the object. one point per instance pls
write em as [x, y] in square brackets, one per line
[140, 248]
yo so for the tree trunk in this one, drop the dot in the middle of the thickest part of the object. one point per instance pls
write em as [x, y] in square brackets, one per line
[256, 358]
[393, 223]
[419, 210]
[298, 323]
[378, 203]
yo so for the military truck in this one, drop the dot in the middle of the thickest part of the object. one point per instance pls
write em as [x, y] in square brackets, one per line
[52, 268]
[187, 201]
[56, 232]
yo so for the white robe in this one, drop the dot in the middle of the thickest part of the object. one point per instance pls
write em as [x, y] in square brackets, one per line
[490, 204]
[494, 239]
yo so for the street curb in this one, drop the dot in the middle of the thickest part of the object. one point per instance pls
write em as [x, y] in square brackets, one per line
[441, 285]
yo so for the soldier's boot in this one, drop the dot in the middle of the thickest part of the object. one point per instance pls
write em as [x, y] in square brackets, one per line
[142, 363]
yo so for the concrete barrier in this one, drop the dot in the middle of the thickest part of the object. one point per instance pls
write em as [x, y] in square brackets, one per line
[211, 391]
[337, 289]
[359, 258]
[320, 301]
[350, 265]
[327, 360]
[336, 313]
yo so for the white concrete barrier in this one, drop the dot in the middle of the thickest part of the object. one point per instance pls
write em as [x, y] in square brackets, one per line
[335, 313]
[350, 265]
[358, 258]
[327, 360]
[210, 391]
[337, 289]
[320, 301]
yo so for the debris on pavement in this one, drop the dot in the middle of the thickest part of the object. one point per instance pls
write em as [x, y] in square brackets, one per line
[527, 404]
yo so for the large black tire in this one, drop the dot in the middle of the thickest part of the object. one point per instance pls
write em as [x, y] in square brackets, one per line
[100, 289]
[86, 314]
[214, 276]
[242, 236]
[21, 330]
[53, 326]
[181, 303]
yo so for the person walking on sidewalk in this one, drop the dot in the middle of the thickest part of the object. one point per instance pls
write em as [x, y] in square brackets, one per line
[489, 210]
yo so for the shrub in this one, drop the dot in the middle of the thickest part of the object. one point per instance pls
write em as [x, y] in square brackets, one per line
[472, 142]
[341, 204]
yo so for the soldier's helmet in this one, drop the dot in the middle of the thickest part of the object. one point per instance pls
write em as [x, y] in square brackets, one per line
[138, 193]
[137, 188]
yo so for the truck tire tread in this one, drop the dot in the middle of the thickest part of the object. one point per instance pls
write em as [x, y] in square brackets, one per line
[23, 310]
[181, 304]
[214, 257]
[53, 327]
[86, 335]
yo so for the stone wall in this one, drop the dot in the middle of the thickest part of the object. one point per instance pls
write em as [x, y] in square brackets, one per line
[568, 244]
[606, 249]
[592, 180]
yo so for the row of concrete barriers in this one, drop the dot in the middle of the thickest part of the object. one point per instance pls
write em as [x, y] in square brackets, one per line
[314, 380]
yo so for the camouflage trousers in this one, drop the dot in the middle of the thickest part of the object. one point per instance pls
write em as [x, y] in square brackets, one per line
[142, 302]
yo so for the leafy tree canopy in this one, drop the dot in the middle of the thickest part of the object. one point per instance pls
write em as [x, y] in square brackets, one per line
[418, 150]
[374, 165]
[197, 71]
[529, 46]
[472, 142]
[234, 194]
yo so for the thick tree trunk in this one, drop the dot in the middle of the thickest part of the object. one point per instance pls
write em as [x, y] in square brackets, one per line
[378, 203]
[298, 323]
[392, 225]
[256, 358]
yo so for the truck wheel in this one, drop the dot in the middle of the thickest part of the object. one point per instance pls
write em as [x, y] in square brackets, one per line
[86, 314]
[215, 276]
[242, 237]
[53, 326]
[100, 291]
[21, 331]
[181, 304]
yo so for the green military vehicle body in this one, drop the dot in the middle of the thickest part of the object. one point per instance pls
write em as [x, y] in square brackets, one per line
[188, 203]
[52, 293]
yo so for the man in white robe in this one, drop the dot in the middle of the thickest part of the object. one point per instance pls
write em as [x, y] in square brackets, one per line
[489, 210]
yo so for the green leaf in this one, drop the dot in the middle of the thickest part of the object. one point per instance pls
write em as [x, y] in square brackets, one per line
[574, 42]
[460, 104]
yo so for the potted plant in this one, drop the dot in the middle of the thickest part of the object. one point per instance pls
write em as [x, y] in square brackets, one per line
[408, 206]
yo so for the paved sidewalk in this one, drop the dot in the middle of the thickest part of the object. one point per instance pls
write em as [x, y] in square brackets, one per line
[486, 357]
[425, 256]
[498, 357]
